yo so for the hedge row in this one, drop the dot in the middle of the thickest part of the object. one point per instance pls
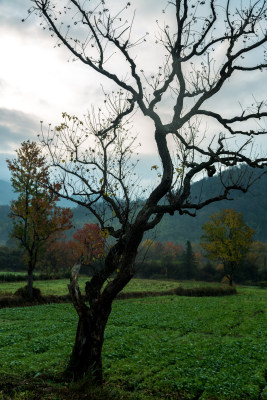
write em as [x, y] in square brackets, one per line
[12, 277]
[180, 291]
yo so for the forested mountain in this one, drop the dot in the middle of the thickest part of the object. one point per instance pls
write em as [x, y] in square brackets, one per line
[253, 206]
[179, 228]
[6, 193]
[5, 224]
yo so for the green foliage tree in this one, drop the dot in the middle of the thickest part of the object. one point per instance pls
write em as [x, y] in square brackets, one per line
[227, 239]
[34, 213]
[93, 156]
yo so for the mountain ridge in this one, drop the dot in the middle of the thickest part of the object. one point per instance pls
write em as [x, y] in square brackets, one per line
[177, 228]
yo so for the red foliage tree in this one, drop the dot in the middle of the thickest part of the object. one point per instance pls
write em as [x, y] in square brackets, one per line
[89, 243]
[59, 255]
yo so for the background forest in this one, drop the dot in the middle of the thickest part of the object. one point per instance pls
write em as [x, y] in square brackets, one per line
[173, 250]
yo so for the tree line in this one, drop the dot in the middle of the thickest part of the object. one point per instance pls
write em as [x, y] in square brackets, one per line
[40, 226]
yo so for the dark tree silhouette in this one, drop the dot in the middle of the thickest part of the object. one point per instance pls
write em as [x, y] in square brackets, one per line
[92, 157]
[189, 262]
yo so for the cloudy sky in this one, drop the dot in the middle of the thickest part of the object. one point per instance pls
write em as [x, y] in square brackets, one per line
[37, 81]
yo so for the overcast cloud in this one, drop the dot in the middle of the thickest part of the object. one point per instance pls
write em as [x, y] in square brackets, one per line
[38, 83]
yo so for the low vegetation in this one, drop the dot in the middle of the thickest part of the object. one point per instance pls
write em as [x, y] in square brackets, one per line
[198, 348]
[59, 287]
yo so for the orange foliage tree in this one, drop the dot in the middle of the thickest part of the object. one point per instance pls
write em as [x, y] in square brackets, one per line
[172, 251]
[34, 213]
[88, 245]
[227, 240]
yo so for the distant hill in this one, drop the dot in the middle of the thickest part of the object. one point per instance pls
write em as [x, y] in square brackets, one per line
[6, 196]
[5, 224]
[178, 228]
[6, 193]
[253, 206]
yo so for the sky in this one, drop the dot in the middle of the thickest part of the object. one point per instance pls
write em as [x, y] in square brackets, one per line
[38, 83]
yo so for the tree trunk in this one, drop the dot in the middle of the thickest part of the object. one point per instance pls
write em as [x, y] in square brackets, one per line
[229, 269]
[86, 357]
[30, 284]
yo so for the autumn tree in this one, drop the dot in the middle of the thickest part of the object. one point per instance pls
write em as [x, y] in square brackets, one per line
[206, 47]
[58, 255]
[172, 251]
[227, 240]
[87, 245]
[151, 249]
[34, 213]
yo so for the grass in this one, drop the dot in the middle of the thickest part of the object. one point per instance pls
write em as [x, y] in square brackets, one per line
[19, 273]
[60, 286]
[176, 348]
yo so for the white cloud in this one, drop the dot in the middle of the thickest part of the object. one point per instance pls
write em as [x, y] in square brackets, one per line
[16, 127]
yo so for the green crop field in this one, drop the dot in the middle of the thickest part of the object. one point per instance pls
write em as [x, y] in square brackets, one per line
[171, 347]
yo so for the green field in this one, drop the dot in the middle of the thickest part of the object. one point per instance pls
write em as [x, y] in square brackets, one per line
[155, 348]
[59, 287]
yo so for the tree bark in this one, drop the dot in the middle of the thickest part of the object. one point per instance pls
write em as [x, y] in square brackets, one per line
[86, 357]
[30, 284]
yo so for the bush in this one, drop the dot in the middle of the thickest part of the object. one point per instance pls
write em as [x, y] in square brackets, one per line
[23, 292]
[262, 284]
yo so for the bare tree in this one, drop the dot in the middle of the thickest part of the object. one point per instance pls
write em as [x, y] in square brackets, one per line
[92, 157]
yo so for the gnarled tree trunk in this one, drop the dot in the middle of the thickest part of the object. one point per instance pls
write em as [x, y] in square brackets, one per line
[86, 357]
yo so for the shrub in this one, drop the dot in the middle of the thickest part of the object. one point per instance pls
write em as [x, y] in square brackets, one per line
[262, 284]
[23, 292]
